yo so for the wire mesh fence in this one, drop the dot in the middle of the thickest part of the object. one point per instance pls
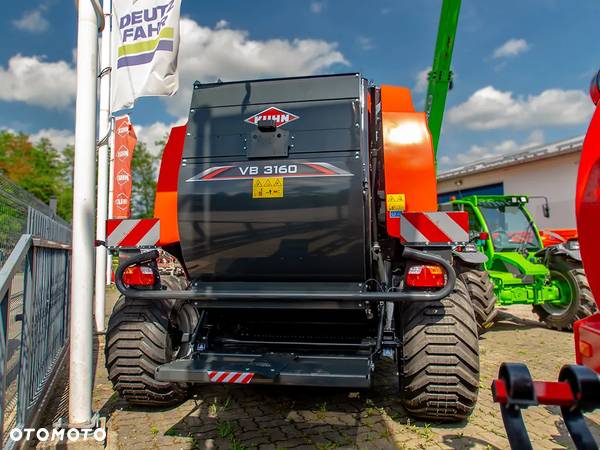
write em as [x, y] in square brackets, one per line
[20, 213]
[35, 266]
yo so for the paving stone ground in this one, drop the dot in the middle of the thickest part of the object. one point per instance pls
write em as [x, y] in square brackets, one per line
[270, 417]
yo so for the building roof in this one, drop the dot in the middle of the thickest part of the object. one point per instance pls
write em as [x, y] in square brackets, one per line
[537, 153]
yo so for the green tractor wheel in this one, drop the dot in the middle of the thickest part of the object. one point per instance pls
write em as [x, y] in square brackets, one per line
[577, 300]
[481, 291]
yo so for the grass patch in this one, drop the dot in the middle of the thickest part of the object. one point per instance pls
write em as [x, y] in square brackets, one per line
[321, 410]
[225, 430]
[236, 445]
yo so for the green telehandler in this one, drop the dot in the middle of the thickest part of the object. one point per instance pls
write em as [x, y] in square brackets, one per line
[519, 269]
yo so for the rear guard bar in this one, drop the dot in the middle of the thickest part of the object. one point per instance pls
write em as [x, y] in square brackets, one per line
[234, 299]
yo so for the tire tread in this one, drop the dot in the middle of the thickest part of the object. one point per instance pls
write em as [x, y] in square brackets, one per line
[137, 342]
[439, 371]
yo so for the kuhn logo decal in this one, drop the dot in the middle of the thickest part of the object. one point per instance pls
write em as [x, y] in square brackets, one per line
[280, 116]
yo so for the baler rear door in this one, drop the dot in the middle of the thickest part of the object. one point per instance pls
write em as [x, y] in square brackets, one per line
[271, 184]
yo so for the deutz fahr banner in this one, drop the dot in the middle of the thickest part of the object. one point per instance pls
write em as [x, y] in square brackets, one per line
[125, 140]
[145, 45]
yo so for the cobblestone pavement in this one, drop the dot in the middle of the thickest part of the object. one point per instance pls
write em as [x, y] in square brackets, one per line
[270, 417]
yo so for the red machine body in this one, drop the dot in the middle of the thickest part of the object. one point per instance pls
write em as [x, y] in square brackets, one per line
[578, 388]
[165, 203]
[557, 236]
[587, 331]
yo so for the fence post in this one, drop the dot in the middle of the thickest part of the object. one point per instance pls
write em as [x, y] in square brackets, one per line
[29, 290]
[3, 328]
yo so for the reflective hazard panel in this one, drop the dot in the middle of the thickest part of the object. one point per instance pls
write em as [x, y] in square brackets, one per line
[395, 202]
[267, 187]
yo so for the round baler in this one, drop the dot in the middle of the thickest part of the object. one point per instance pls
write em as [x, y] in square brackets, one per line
[304, 214]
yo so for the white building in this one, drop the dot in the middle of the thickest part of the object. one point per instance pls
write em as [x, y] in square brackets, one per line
[546, 171]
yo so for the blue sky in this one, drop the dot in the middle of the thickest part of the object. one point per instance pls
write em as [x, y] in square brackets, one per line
[521, 68]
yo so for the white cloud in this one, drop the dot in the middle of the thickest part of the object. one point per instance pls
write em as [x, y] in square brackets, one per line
[221, 24]
[59, 138]
[149, 134]
[365, 43]
[8, 130]
[32, 80]
[157, 131]
[489, 108]
[33, 21]
[479, 152]
[207, 54]
[512, 47]
[317, 7]
[421, 81]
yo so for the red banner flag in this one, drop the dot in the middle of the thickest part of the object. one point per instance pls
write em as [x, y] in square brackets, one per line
[125, 140]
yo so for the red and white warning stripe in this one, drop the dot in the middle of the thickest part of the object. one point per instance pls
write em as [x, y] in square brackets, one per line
[132, 232]
[230, 377]
[434, 227]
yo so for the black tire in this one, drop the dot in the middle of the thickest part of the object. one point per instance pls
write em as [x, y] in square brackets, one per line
[142, 335]
[174, 282]
[481, 291]
[439, 368]
[582, 304]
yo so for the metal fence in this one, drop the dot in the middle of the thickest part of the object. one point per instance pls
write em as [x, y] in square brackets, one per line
[34, 306]
[21, 213]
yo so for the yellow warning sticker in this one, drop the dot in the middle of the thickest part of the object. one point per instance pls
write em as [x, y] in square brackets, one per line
[267, 187]
[395, 202]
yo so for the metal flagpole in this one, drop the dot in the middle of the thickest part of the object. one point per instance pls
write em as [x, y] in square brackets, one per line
[104, 132]
[82, 282]
[111, 175]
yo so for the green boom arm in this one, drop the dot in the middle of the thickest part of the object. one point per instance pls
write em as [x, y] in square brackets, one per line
[440, 77]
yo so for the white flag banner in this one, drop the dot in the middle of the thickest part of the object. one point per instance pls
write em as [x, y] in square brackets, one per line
[145, 45]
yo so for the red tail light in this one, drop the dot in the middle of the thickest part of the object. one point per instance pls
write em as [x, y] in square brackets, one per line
[426, 276]
[483, 236]
[139, 276]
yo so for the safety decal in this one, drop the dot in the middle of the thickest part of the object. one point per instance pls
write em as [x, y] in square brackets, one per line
[132, 232]
[279, 116]
[267, 187]
[395, 202]
[283, 170]
[230, 377]
[434, 227]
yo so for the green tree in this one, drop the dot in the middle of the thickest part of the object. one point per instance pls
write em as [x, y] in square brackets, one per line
[64, 206]
[38, 168]
[144, 172]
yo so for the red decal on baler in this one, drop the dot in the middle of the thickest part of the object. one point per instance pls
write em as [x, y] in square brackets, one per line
[289, 169]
